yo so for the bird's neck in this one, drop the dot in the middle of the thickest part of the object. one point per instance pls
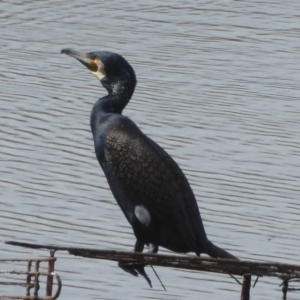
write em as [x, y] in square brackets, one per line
[118, 97]
[103, 108]
[110, 104]
[114, 103]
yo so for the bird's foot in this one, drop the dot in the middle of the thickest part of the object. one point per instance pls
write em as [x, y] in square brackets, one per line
[135, 270]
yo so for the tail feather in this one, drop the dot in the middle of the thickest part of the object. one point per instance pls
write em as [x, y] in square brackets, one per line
[216, 252]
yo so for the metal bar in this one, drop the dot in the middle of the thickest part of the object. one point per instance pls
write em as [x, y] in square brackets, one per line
[28, 279]
[31, 273]
[28, 297]
[36, 279]
[59, 286]
[245, 294]
[49, 283]
[32, 260]
[225, 266]
[285, 287]
[35, 285]
[14, 283]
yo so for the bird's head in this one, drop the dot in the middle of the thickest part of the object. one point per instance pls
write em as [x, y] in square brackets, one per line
[113, 71]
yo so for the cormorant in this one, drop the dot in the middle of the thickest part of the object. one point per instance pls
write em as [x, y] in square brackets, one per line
[149, 186]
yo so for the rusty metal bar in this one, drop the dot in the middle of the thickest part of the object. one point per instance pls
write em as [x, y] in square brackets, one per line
[28, 297]
[59, 286]
[36, 279]
[31, 273]
[49, 283]
[225, 266]
[28, 279]
[29, 260]
[287, 272]
[35, 285]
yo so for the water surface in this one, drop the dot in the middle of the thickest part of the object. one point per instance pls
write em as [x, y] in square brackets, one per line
[218, 88]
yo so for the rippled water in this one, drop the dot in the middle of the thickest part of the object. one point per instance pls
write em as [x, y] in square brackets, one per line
[218, 87]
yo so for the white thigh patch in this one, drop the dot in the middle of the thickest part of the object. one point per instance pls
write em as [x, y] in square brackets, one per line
[142, 215]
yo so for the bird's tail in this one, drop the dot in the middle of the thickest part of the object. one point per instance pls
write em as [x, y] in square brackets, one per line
[216, 252]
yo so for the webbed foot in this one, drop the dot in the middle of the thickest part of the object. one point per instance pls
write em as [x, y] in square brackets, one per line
[135, 270]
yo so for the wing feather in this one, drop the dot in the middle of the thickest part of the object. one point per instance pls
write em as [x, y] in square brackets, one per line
[149, 176]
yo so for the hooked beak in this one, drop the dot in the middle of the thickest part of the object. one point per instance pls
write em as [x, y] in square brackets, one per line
[85, 58]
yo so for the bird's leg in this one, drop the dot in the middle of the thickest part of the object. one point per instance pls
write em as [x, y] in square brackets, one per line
[153, 248]
[140, 268]
[136, 269]
[138, 247]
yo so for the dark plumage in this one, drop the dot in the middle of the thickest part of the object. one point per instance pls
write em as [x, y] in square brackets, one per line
[147, 183]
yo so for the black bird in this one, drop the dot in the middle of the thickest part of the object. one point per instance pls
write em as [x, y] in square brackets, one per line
[149, 186]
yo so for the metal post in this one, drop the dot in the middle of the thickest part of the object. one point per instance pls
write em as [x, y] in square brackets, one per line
[49, 283]
[245, 295]
[285, 286]
[28, 280]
